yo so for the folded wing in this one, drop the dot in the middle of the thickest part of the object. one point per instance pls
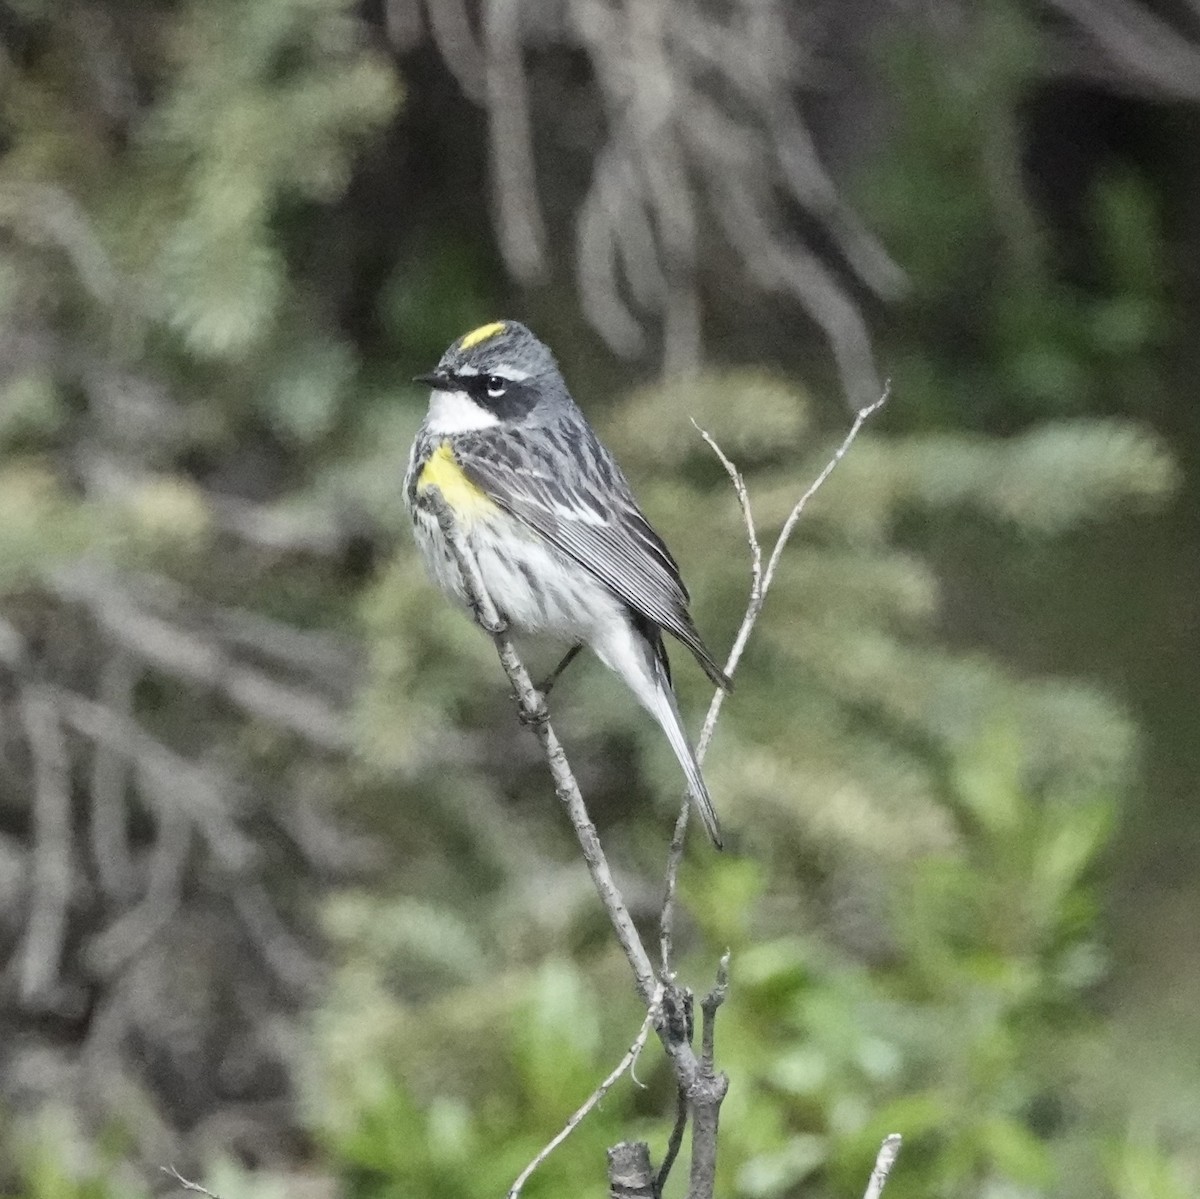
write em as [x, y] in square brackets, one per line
[590, 514]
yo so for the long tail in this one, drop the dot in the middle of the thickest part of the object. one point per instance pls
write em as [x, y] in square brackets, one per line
[633, 648]
[664, 708]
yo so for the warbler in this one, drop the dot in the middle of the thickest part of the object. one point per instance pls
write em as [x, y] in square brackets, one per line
[562, 546]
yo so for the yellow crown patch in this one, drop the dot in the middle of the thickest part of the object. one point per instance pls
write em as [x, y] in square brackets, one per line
[482, 334]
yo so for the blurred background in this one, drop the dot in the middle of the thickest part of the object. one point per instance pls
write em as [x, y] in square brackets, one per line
[286, 900]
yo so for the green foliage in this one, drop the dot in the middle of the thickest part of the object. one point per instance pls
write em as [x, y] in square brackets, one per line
[258, 109]
[277, 121]
[449, 1097]
[971, 1027]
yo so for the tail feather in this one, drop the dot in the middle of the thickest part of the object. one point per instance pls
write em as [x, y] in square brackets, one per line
[665, 710]
[635, 652]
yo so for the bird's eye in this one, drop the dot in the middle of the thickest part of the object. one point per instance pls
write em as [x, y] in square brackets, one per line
[496, 386]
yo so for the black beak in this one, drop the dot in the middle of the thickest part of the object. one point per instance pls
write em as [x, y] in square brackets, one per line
[434, 379]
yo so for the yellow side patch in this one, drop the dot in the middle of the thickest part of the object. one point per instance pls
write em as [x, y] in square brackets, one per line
[443, 472]
[482, 334]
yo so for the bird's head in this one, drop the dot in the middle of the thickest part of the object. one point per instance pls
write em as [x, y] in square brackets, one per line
[497, 373]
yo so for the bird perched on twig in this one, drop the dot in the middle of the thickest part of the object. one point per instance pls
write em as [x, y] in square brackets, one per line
[561, 544]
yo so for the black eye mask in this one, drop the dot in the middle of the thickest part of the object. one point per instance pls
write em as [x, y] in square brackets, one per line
[509, 399]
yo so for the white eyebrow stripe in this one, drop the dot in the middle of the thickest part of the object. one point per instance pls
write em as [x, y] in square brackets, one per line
[466, 369]
[512, 373]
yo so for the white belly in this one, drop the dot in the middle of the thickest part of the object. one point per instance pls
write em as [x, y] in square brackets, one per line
[536, 587]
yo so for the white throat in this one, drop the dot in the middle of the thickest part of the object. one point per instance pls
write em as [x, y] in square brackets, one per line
[455, 412]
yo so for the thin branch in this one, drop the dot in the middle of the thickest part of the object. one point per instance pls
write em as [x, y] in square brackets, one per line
[130, 933]
[884, 1161]
[674, 1141]
[518, 205]
[760, 584]
[51, 875]
[708, 1092]
[861, 417]
[168, 778]
[626, 1063]
[708, 1006]
[177, 651]
[671, 1029]
[666, 927]
[533, 712]
[109, 782]
[743, 499]
[187, 1183]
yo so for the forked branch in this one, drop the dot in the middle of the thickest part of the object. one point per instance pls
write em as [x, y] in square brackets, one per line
[700, 1085]
[760, 583]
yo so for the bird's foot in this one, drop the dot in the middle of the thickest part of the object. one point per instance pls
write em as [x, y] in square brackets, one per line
[553, 677]
[531, 710]
[493, 627]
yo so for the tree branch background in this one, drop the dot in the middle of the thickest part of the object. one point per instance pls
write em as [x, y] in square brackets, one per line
[284, 900]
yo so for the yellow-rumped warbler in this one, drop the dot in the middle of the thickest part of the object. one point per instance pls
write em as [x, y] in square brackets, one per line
[562, 546]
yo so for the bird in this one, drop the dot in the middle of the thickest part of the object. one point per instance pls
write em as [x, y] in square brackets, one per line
[561, 544]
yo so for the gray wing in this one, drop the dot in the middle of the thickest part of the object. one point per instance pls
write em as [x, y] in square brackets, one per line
[590, 515]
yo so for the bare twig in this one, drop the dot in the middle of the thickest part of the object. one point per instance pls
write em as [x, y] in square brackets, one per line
[707, 1093]
[281, 949]
[666, 926]
[626, 1063]
[187, 1183]
[51, 881]
[110, 779]
[709, 1005]
[177, 651]
[884, 1161]
[132, 931]
[861, 417]
[699, 113]
[743, 499]
[760, 584]
[533, 712]
[167, 777]
[674, 1141]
